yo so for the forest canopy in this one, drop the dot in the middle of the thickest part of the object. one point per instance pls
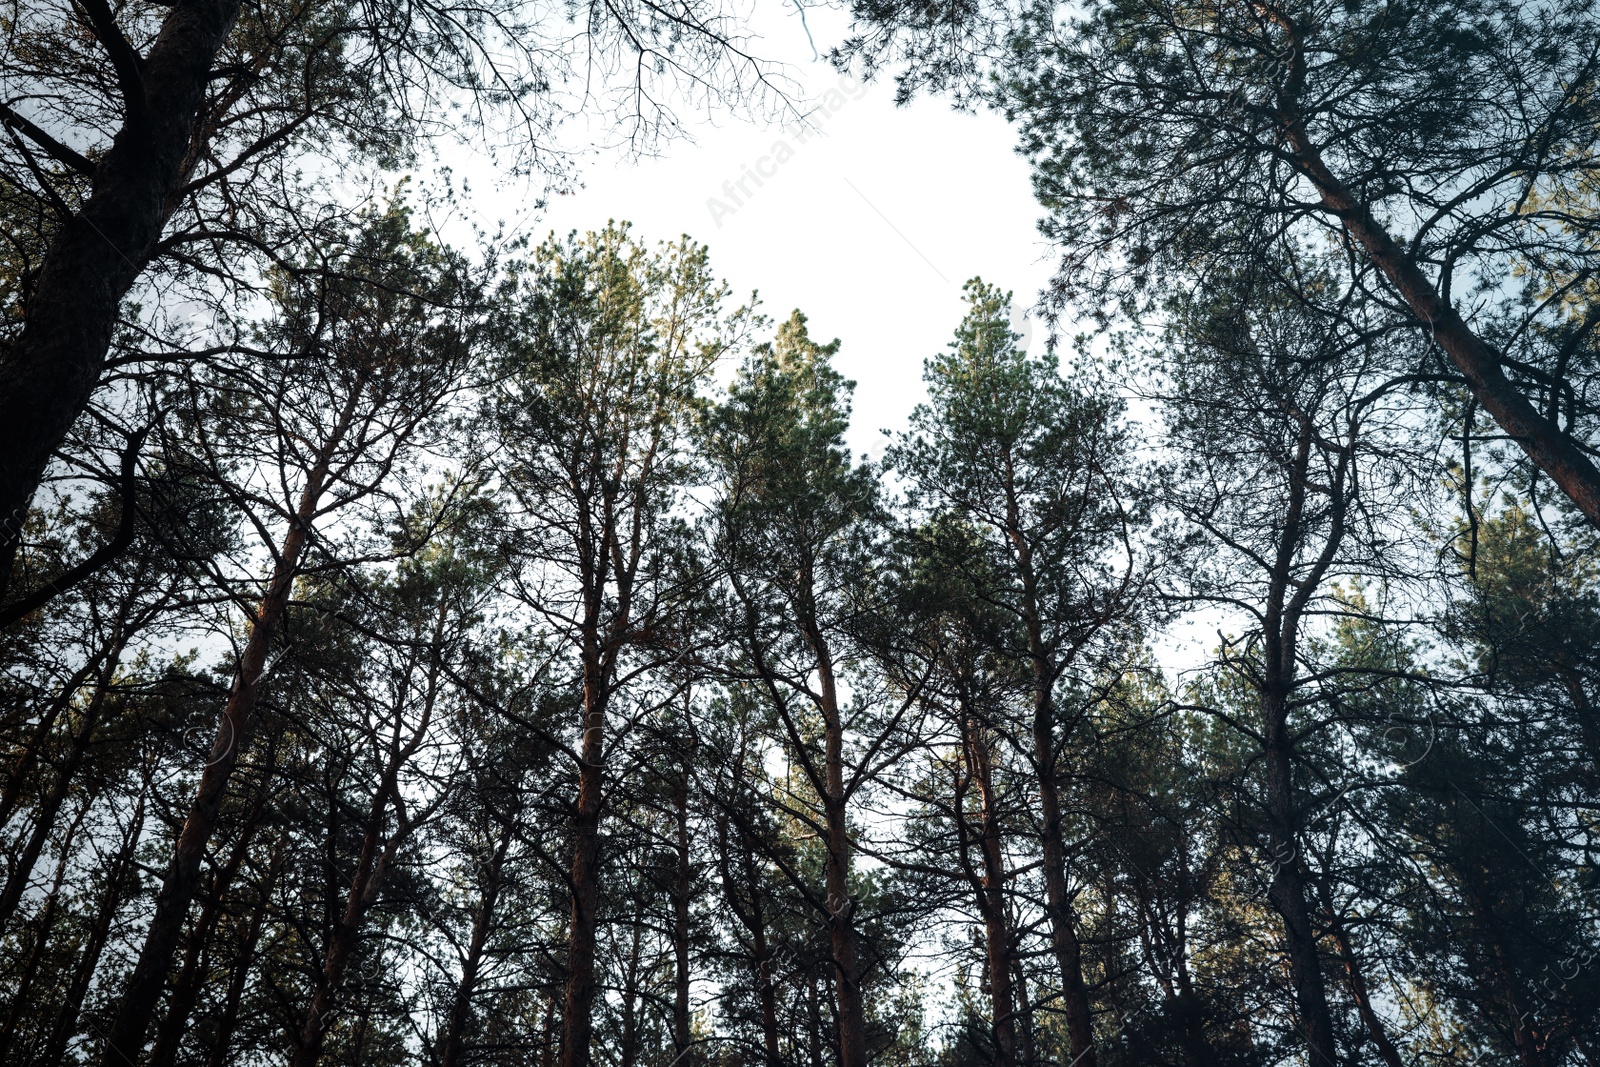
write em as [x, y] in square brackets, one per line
[416, 652]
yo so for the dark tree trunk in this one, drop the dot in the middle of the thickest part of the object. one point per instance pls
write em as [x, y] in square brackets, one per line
[1357, 978]
[372, 867]
[186, 987]
[1288, 889]
[682, 1038]
[1025, 1045]
[453, 1042]
[990, 890]
[228, 1021]
[40, 734]
[629, 1056]
[1075, 1004]
[99, 932]
[578, 1019]
[1064, 942]
[748, 909]
[50, 804]
[44, 925]
[842, 936]
[48, 375]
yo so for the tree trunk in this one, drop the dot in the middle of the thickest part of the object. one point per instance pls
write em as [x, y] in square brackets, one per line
[43, 928]
[1058, 903]
[1358, 992]
[1075, 1003]
[143, 989]
[682, 1038]
[48, 375]
[990, 886]
[1287, 889]
[814, 1017]
[629, 1056]
[578, 1019]
[1025, 1046]
[753, 917]
[40, 734]
[767, 993]
[51, 803]
[228, 1021]
[842, 937]
[1540, 438]
[99, 932]
[547, 1050]
[372, 866]
[453, 1042]
[186, 987]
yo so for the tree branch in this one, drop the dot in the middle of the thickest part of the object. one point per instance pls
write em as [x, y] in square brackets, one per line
[53, 148]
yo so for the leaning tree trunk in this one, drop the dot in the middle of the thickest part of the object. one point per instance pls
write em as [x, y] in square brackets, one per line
[47, 376]
[1539, 436]
[143, 988]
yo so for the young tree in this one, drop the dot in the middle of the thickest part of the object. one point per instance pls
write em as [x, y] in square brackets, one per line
[792, 532]
[1290, 461]
[1041, 473]
[608, 344]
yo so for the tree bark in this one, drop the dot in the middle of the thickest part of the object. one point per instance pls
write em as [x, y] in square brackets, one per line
[1025, 1046]
[29, 756]
[629, 1056]
[753, 917]
[48, 375]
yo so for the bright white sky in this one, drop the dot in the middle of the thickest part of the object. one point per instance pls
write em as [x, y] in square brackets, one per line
[870, 228]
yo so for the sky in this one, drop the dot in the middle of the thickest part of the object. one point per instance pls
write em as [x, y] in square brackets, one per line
[869, 225]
